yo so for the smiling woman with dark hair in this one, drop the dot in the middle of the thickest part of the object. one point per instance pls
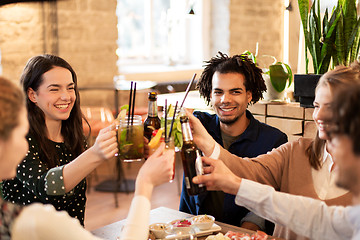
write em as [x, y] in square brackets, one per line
[43, 222]
[54, 169]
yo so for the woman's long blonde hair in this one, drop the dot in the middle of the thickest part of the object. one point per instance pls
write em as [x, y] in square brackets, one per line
[336, 80]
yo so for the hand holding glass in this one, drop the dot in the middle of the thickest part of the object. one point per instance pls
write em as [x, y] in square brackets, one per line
[131, 139]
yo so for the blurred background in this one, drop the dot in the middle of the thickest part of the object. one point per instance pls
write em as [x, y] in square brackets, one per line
[144, 40]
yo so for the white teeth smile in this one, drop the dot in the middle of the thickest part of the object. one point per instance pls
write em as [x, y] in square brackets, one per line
[62, 106]
[227, 109]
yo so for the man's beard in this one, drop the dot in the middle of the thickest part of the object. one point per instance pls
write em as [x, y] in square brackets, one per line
[229, 121]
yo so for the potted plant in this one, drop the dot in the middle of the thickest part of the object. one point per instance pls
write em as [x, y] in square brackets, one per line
[277, 75]
[331, 41]
[280, 76]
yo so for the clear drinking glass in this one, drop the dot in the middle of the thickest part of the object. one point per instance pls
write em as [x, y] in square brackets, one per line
[130, 138]
[170, 146]
[180, 233]
[176, 133]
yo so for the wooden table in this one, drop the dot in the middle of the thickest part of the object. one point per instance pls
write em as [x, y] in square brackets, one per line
[157, 215]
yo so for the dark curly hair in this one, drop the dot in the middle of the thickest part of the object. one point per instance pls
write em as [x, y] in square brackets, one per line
[242, 64]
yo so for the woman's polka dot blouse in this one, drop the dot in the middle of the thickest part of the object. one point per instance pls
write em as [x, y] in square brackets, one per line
[35, 182]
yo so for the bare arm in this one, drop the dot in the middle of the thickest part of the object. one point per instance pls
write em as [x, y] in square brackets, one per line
[157, 169]
[104, 148]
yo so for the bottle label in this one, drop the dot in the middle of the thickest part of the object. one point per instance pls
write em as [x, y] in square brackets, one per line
[199, 166]
[187, 182]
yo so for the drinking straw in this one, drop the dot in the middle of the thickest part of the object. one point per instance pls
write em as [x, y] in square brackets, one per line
[133, 105]
[129, 114]
[165, 122]
[188, 89]
[173, 119]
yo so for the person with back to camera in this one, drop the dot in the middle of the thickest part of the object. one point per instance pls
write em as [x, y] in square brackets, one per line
[302, 167]
[306, 216]
[42, 222]
[230, 84]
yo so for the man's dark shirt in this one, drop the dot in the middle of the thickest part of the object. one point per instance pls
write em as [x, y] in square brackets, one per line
[257, 139]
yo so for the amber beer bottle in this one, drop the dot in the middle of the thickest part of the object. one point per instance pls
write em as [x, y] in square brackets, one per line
[191, 159]
[152, 121]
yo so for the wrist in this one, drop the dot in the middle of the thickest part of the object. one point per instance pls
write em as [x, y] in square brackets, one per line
[98, 157]
[234, 188]
[215, 151]
[143, 188]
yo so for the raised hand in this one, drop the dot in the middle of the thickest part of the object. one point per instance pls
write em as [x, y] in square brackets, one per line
[157, 169]
[218, 177]
[202, 138]
[106, 145]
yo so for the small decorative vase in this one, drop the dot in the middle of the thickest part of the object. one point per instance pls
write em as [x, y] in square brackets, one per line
[271, 94]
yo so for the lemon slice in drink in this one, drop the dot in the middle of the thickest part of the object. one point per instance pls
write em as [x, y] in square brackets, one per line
[155, 141]
[122, 113]
[170, 111]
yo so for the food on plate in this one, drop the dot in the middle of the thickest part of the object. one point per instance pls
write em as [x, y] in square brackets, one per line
[158, 229]
[151, 236]
[258, 235]
[230, 235]
[203, 222]
[181, 223]
[158, 226]
[218, 236]
[203, 218]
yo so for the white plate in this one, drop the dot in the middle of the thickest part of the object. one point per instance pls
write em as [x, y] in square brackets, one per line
[214, 228]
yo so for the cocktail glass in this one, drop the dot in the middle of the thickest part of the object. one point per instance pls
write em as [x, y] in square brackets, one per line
[176, 133]
[170, 146]
[130, 136]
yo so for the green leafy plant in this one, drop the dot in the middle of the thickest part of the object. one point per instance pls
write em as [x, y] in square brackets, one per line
[280, 76]
[335, 38]
[280, 73]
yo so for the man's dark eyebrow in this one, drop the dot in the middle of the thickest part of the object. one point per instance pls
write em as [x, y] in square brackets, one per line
[233, 89]
[236, 89]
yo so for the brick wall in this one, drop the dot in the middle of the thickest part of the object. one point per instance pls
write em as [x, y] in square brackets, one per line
[254, 21]
[87, 34]
[86, 38]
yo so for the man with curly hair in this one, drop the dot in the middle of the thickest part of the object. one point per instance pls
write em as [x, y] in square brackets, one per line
[230, 84]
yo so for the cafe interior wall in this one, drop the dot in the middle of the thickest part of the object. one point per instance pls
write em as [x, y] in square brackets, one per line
[253, 21]
[84, 33]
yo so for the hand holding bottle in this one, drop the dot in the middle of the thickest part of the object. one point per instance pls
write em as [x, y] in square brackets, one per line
[218, 177]
[202, 138]
[191, 159]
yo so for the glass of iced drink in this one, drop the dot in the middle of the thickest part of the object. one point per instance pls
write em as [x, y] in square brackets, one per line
[130, 136]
